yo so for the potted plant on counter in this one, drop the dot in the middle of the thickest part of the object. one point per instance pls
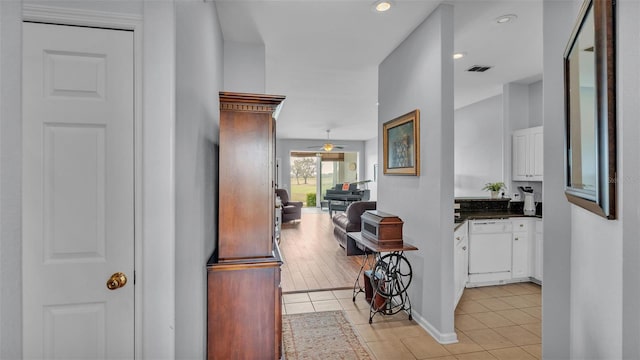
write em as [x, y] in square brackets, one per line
[494, 188]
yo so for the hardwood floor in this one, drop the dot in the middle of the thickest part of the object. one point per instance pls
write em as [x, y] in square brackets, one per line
[313, 260]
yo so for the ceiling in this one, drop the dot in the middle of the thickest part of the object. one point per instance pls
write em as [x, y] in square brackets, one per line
[324, 54]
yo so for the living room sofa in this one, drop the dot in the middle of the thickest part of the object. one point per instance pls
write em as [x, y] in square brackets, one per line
[349, 220]
[291, 210]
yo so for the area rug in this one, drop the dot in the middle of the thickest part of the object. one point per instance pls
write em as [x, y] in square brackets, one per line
[321, 335]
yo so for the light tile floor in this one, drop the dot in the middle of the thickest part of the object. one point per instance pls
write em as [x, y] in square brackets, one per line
[495, 322]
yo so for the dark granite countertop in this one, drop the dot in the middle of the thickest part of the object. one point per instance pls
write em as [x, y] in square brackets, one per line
[471, 208]
[492, 215]
[500, 214]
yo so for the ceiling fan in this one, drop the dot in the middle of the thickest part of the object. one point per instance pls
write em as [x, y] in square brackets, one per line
[328, 146]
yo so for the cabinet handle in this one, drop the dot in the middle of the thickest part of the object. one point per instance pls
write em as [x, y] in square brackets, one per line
[516, 239]
[457, 237]
[521, 225]
[464, 248]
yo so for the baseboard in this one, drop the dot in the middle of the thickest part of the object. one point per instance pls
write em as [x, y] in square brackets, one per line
[442, 338]
[477, 283]
[535, 281]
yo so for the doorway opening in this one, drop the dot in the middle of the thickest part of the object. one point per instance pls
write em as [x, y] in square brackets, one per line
[312, 174]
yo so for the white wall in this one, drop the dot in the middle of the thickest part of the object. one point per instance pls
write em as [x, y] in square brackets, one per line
[157, 271]
[629, 178]
[558, 18]
[604, 253]
[483, 141]
[244, 67]
[371, 159]
[590, 292]
[419, 74]
[478, 153]
[596, 286]
[199, 69]
[535, 104]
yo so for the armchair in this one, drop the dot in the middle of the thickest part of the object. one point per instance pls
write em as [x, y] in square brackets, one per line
[291, 210]
[349, 221]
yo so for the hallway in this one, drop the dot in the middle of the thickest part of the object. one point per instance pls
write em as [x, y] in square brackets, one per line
[313, 260]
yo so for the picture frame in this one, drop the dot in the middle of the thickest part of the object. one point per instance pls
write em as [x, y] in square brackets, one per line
[401, 145]
[590, 110]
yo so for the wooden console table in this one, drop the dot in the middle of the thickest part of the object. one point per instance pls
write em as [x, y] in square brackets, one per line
[390, 274]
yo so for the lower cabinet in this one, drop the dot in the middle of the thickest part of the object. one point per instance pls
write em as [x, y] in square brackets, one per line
[537, 269]
[520, 248]
[499, 252]
[461, 261]
[497, 260]
[244, 311]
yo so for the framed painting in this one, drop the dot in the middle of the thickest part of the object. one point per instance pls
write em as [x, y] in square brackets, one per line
[401, 145]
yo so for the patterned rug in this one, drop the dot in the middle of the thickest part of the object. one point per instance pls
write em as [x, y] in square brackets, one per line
[321, 335]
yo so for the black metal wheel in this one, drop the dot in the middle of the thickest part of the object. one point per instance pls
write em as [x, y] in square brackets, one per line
[391, 275]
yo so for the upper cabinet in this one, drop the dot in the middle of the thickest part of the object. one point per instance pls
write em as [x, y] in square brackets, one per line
[247, 167]
[527, 154]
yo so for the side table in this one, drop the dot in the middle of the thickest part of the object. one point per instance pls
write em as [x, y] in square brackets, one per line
[390, 274]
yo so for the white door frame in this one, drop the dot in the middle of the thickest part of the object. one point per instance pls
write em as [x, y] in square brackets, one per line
[64, 16]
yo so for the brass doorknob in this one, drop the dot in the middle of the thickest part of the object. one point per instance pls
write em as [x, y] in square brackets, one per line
[117, 281]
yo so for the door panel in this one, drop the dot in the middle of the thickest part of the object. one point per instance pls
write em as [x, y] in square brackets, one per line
[78, 181]
[520, 166]
[73, 153]
[537, 168]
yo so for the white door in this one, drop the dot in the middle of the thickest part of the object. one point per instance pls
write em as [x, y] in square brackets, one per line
[78, 191]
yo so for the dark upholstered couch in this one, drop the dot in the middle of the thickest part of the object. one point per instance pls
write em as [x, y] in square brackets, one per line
[349, 220]
[291, 210]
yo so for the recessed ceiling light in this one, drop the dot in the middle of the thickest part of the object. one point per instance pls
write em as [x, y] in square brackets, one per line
[382, 5]
[459, 55]
[506, 18]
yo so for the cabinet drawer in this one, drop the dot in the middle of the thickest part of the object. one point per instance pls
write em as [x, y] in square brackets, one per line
[521, 225]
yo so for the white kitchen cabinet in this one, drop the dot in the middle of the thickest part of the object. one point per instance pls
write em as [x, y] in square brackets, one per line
[537, 268]
[527, 154]
[461, 261]
[521, 251]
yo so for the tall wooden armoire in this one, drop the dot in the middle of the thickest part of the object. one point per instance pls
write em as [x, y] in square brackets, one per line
[244, 314]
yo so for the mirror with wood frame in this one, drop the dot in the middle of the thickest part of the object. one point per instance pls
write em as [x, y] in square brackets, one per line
[590, 110]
